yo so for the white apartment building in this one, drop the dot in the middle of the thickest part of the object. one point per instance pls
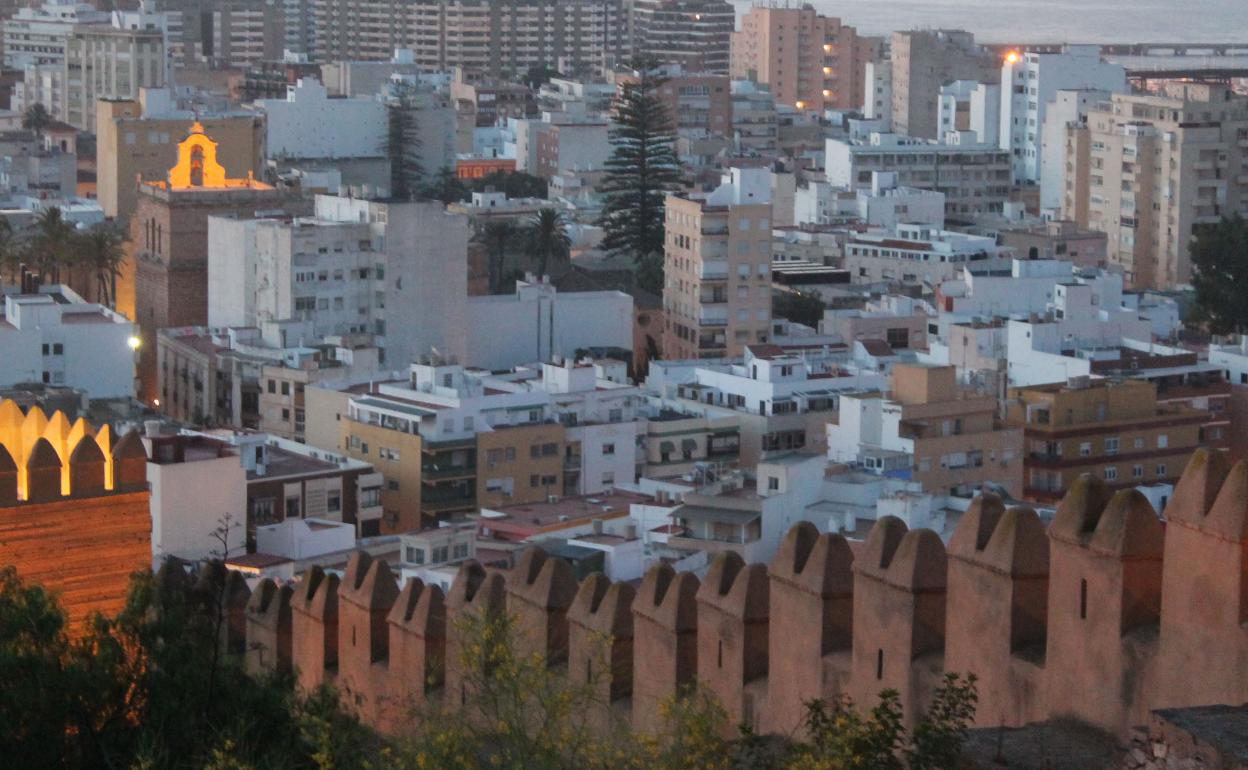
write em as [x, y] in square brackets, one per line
[970, 106]
[1070, 336]
[537, 323]
[878, 93]
[782, 398]
[883, 204]
[108, 62]
[395, 270]
[37, 35]
[1233, 359]
[974, 179]
[1029, 82]
[1023, 288]
[57, 337]
[919, 254]
[1069, 108]
[308, 124]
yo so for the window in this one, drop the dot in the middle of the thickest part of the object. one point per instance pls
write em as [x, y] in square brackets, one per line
[392, 485]
[262, 510]
[608, 478]
[510, 454]
[1085, 449]
[286, 415]
[415, 555]
[1163, 441]
[615, 415]
[1138, 443]
[1111, 473]
[550, 450]
[333, 501]
[1083, 599]
[58, 349]
[272, 386]
[1137, 471]
[773, 483]
[535, 480]
[1111, 446]
[370, 497]
[1161, 470]
[292, 507]
[459, 551]
[608, 449]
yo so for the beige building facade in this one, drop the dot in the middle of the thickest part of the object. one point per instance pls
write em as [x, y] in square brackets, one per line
[808, 60]
[717, 265]
[1150, 170]
[922, 62]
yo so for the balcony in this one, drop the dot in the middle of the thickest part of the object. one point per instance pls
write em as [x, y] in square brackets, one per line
[714, 271]
[430, 473]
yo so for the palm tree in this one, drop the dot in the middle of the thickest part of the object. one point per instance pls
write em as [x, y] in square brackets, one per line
[546, 239]
[11, 253]
[36, 118]
[496, 234]
[99, 250]
[50, 248]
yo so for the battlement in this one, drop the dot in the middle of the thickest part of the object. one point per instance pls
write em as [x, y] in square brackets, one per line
[1102, 617]
[74, 513]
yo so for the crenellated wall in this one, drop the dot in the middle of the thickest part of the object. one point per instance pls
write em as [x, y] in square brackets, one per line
[74, 513]
[1102, 618]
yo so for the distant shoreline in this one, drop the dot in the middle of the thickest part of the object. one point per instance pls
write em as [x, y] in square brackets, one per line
[1046, 21]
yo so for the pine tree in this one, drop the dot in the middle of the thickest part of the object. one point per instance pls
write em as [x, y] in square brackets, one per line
[1219, 255]
[643, 167]
[407, 175]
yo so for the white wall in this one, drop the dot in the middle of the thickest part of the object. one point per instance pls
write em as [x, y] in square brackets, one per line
[296, 539]
[188, 502]
[95, 356]
[231, 277]
[537, 323]
[308, 124]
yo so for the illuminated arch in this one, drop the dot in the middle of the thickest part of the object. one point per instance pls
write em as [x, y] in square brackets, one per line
[197, 156]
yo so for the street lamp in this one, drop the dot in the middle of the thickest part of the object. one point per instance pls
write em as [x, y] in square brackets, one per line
[134, 342]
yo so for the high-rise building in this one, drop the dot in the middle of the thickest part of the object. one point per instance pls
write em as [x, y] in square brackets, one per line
[108, 62]
[717, 265]
[1069, 107]
[498, 39]
[922, 62]
[696, 34]
[1030, 82]
[1153, 169]
[808, 60]
[36, 35]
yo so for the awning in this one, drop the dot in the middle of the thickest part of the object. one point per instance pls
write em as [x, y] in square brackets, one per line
[667, 446]
[688, 444]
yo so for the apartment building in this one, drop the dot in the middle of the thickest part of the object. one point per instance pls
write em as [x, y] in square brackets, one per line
[52, 335]
[198, 479]
[139, 138]
[930, 430]
[107, 62]
[807, 60]
[1030, 82]
[354, 267]
[1069, 107]
[1153, 169]
[717, 265]
[975, 179]
[36, 35]
[1112, 429]
[450, 440]
[922, 62]
[780, 398]
[920, 254]
[495, 39]
[695, 34]
[248, 377]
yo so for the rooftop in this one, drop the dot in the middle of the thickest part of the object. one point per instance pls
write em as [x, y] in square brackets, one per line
[566, 510]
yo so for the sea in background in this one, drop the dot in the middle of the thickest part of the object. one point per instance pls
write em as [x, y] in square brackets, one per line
[1042, 21]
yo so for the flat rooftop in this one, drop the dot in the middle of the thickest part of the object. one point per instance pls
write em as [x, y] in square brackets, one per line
[566, 509]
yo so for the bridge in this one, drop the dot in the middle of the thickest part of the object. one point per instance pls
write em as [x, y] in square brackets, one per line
[1134, 49]
[1223, 75]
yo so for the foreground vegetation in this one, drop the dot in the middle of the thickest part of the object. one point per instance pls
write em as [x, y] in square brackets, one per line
[148, 690]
